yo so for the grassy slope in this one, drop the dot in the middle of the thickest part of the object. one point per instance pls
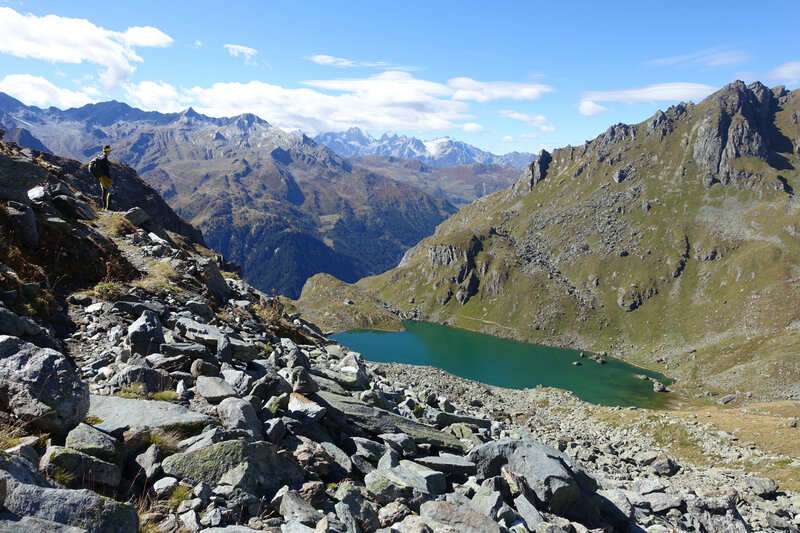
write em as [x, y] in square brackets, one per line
[714, 268]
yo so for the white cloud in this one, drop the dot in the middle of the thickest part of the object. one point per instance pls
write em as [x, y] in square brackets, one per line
[237, 50]
[508, 139]
[652, 93]
[339, 62]
[156, 96]
[535, 121]
[34, 90]
[487, 91]
[588, 107]
[71, 40]
[472, 127]
[719, 56]
[788, 72]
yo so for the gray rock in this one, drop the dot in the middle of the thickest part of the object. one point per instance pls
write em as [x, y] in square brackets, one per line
[118, 414]
[203, 368]
[295, 508]
[660, 502]
[449, 464]
[150, 379]
[545, 475]
[15, 325]
[411, 481]
[200, 309]
[78, 508]
[39, 386]
[23, 220]
[763, 487]
[650, 485]
[241, 382]
[527, 510]
[717, 515]
[165, 486]
[236, 413]
[378, 421]
[274, 430]
[665, 466]
[26, 524]
[369, 449]
[270, 384]
[91, 441]
[443, 419]
[400, 442]
[145, 335]
[213, 280]
[72, 207]
[487, 501]
[137, 216]
[302, 382]
[357, 506]
[392, 513]
[148, 463]
[214, 389]
[256, 468]
[84, 470]
[447, 517]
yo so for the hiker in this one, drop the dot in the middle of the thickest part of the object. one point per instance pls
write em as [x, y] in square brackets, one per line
[99, 169]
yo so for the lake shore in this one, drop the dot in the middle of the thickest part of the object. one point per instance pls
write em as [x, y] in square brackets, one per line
[701, 436]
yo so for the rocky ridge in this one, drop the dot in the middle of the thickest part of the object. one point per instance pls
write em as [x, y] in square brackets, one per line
[175, 399]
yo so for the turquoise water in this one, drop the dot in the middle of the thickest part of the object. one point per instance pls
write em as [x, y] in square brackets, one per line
[507, 363]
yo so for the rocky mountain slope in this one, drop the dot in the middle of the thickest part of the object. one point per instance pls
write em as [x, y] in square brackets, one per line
[441, 152]
[672, 243]
[166, 397]
[279, 204]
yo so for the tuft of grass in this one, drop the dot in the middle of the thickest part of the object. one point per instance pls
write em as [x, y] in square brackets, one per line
[164, 396]
[167, 441]
[108, 290]
[160, 275]
[118, 225]
[132, 391]
[10, 436]
[178, 496]
[59, 475]
[93, 420]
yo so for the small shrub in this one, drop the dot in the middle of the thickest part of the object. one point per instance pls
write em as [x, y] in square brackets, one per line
[92, 420]
[62, 476]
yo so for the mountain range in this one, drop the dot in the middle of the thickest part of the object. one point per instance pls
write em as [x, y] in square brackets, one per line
[441, 152]
[278, 203]
[673, 243]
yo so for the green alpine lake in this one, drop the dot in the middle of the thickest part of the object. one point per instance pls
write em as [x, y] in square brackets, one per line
[507, 363]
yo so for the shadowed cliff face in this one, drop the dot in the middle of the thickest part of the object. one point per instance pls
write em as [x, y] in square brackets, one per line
[655, 239]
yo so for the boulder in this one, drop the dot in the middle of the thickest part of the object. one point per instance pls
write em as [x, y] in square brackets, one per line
[137, 216]
[447, 517]
[23, 220]
[118, 414]
[411, 481]
[377, 421]
[91, 441]
[15, 325]
[236, 413]
[214, 389]
[256, 468]
[145, 335]
[78, 508]
[543, 474]
[82, 470]
[40, 386]
[150, 379]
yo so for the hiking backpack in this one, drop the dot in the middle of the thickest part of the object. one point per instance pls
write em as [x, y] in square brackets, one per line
[94, 167]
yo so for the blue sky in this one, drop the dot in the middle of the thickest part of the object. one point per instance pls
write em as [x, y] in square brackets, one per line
[507, 75]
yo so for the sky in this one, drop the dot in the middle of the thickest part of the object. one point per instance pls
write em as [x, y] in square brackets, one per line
[504, 76]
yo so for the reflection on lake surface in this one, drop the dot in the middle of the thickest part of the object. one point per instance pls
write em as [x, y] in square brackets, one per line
[507, 363]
